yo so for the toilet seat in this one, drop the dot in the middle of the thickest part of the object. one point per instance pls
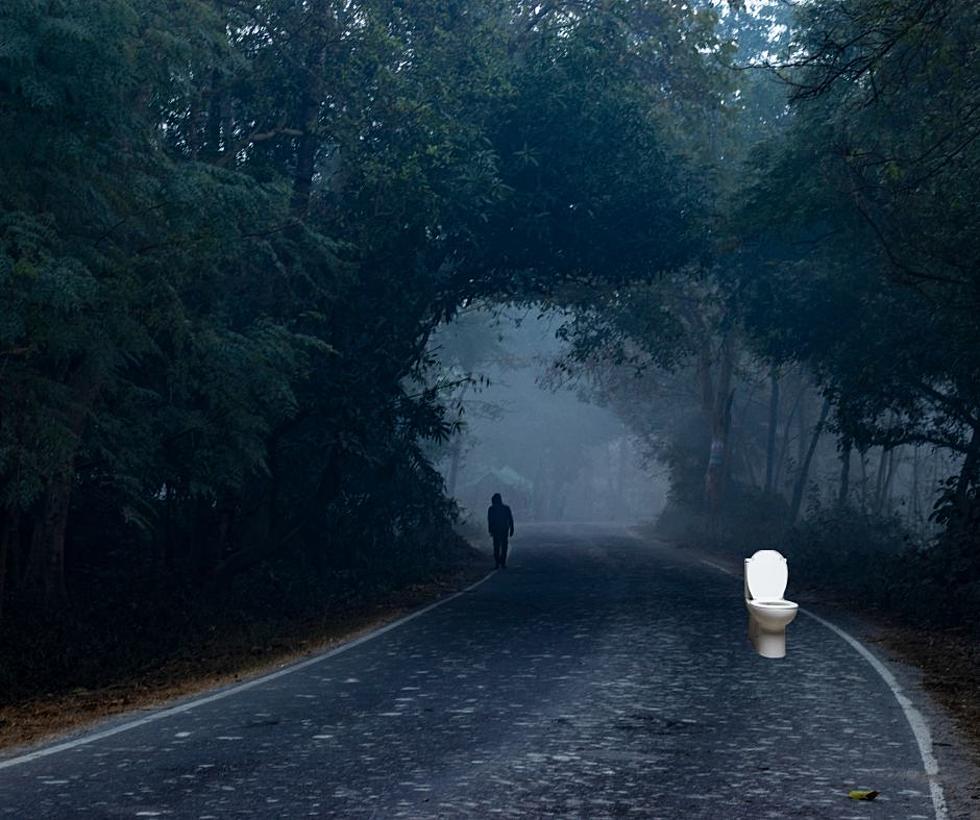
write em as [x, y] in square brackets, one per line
[766, 575]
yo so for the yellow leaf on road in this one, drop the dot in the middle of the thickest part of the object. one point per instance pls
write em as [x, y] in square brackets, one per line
[862, 794]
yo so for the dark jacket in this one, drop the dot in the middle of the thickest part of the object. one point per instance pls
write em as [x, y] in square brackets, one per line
[500, 521]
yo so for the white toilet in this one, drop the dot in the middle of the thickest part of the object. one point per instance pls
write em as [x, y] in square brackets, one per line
[769, 613]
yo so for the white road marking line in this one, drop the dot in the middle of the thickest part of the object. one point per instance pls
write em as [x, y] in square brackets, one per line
[923, 737]
[718, 567]
[920, 729]
[233, 690]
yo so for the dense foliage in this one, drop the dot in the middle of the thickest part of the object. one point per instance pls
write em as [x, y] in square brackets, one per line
[824, 353]
[882, 164]
[228, 229]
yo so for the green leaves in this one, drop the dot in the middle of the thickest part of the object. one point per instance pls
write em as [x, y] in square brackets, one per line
[227, 231]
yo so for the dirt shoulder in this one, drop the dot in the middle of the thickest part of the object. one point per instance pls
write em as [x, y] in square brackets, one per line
[236, 654]
[947, 663]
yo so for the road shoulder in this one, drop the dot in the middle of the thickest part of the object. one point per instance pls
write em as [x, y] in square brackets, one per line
[225, 660]
[939, 669]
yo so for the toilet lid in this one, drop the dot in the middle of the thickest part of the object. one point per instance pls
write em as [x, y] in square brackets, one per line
[766, 575]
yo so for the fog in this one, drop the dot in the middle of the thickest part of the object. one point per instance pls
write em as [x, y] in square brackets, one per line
[532, 433]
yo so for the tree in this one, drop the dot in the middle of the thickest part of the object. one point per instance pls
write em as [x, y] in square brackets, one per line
[228, 231]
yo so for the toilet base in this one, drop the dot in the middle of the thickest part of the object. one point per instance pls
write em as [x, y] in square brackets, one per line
[769, 644]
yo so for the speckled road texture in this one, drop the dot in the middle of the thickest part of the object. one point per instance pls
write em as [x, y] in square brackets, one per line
[598, 676]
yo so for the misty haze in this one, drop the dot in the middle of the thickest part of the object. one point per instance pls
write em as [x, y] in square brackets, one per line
[544, 439]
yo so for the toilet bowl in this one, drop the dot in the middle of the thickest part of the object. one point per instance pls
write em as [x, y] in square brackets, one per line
[769, 613]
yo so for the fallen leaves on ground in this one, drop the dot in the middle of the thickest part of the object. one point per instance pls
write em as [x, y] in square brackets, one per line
[862, 794]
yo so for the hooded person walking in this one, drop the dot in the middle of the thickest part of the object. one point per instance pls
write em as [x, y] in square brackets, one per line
[500, 522]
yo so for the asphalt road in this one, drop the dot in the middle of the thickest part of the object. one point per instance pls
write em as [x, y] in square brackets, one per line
[598, 676]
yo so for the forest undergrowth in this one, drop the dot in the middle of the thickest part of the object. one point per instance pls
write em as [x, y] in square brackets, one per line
[173, 642]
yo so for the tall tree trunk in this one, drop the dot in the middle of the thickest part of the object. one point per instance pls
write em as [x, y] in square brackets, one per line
[880, 480]
[741, 451]
[804, 471]
[914, 501]
[220, 545]
[773, 422]
[275, 488]
[706, 379]
[845, 471]
[967, 476]
[787, 431]
[46, 562]
[864, 479]
[959, 535]
[802, 422]
[310, 104]
[457, 451]
[454, 460]
[721, 418]
[16, 557]
[884, 492]
[45, 574]
[9, 536]
[621, 502]
[273, 458]
[165, 551]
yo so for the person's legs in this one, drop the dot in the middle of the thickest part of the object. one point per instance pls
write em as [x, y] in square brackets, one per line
[496, 551]
[503, 552]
